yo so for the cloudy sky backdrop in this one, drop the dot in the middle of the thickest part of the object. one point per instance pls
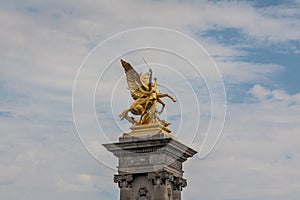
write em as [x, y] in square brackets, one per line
[255, 45]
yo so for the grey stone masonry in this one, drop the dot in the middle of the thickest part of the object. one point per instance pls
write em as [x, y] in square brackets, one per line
[150, 167]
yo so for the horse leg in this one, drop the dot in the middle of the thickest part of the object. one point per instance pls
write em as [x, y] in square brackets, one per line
[125, 115]
[131, 119]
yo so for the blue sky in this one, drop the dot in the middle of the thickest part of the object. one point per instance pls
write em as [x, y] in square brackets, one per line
[255, 45]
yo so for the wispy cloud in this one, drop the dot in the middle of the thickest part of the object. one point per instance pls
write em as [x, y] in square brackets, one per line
[44, 43]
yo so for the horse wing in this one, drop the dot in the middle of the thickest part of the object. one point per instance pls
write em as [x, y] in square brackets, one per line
[135, 85]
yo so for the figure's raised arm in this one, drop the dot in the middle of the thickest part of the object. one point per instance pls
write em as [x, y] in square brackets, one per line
[166, 95]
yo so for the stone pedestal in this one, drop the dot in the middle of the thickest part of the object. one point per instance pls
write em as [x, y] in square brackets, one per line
[150, 164]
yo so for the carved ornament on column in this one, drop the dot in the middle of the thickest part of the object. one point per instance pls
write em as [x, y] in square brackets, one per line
[124, 181]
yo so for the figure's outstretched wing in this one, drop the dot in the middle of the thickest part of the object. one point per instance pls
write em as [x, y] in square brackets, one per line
[135, 85]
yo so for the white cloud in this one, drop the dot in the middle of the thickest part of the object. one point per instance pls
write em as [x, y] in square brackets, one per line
[258, 154]
[82, 183]
[263, 93]
[280, 95]
[42, 46]
[260, 92]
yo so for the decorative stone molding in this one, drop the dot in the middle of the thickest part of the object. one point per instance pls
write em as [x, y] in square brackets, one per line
[160, 178]
[179, 183]
[177, 165]
[163, 178]
[124, 181]
[150, 167]
[143, 194]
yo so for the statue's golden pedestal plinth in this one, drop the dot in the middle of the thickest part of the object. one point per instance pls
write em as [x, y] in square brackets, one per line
[148, 130]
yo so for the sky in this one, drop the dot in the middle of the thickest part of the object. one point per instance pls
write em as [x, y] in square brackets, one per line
[232, 65]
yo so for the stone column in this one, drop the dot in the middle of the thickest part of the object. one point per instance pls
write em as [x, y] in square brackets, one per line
[150, 164]
[125, 185]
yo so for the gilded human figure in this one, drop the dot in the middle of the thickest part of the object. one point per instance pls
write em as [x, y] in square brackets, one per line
[146, 97]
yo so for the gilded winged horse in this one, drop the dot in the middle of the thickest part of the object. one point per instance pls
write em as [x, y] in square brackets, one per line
[146, 97]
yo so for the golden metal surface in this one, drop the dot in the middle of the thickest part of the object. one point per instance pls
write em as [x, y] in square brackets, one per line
[146, 97]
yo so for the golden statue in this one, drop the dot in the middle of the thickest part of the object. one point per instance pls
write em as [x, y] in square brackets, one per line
[146, 96]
